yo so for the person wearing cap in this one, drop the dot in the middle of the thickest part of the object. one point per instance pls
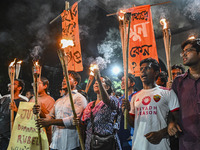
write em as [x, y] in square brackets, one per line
[187, 88]
[125, 135]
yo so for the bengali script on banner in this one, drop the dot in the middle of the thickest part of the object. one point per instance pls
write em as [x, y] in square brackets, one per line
[24, 133]
[70, 31]
[142, 42]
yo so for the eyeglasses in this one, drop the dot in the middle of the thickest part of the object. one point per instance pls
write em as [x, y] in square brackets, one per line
[187, 51]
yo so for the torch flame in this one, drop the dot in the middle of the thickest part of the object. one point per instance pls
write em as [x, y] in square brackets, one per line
[191, 37]
[164, 23]
[91, 73]
[19, 62]
[12, 63]
[65, 43]
[93, 66]
[121, 12]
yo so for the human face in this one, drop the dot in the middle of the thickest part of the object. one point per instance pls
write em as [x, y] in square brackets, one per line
[72, 83]
[96, 85]
[129, 83]
[147, 73]
[28, 95]
[176, 72]
[159, 82]
[16, 86]
[190, 56]
[41, 87]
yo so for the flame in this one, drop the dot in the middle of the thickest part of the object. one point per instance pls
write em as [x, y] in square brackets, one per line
[12, 63]
[65, 43]
[120, 13]
[19, 62]
[164, 23]
[93, 66]
[36, 63]
[191, 37]
[91, 73]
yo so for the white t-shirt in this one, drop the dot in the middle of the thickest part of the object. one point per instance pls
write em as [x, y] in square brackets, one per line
[151, 108]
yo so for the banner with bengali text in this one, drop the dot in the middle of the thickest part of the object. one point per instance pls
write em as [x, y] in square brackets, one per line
[70, 31]
[24, 133]
[142, 42]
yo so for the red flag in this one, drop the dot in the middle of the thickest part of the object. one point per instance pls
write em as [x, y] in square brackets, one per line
[70, 31]
[142, 42]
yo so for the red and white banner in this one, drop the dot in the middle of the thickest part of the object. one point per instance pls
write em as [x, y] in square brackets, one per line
[142, 42]
[70, 31]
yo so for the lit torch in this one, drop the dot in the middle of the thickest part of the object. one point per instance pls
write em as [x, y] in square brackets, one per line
[124, 27]
[11, 72]
[18, 67]
[36, 71]
[91, 77]
[167, 43]
[64, 61]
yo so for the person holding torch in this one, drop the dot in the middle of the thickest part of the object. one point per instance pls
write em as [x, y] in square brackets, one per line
[5, 112]
[101, 117]
[65, 136]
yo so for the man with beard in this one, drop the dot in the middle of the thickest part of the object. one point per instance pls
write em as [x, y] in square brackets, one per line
[5, 112]
[149, 109]
[65, 136]
[187, 88]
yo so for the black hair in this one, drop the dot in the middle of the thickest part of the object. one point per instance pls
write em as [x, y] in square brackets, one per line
[21, 84]
[76, 76]
[130, 76]
[176, 66]
[154, 63]
[108, 83]
[194, 42]
[163, 77]
[45, 81]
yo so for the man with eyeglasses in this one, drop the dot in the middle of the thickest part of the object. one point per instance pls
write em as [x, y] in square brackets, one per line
[187, 88]
[45, 101]
[5, 112]
[149, 109]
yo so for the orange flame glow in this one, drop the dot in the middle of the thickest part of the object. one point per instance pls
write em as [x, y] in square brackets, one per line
[122, 12]
[191, 37]
[164, 23]
[65, 43]
[12, 63]
[92, 67]
[19, 62]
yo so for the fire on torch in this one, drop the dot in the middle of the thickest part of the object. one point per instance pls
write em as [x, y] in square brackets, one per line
[36, 71]
[64, 61]
[11, 72]
[167, 43]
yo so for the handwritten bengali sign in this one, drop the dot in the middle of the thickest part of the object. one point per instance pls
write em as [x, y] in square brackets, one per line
[24, 135]
[142, 39]
[70, 31]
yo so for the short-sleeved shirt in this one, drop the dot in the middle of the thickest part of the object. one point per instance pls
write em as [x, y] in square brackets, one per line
[151, 107]
[188, 92]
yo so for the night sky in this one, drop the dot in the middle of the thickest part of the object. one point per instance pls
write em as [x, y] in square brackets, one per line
[25, 33]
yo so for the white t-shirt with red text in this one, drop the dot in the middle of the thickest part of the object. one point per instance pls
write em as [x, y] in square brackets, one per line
[151, 108]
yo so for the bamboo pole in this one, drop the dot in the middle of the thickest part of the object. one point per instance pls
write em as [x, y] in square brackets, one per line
[127, 20]
[64, 61]
[167, 44]
[36, 70]
[11, 72]
[90, 80]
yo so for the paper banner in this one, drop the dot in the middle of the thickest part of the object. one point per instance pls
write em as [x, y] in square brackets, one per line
[24, 133]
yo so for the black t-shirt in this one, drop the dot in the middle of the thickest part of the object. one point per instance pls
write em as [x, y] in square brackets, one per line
[5, 115]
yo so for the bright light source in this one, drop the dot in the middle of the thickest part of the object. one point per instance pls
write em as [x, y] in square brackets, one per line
[116, 70]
